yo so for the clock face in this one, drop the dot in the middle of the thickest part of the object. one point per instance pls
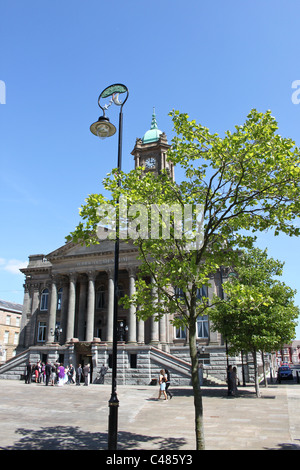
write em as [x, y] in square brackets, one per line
[150, 162]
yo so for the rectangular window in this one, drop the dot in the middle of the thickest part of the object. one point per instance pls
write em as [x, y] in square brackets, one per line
[42, 332]
[110, 361]
[180, 333]
[100, 297]
[6, 337]
[8, 318]
[202, 326]
[59, 298]
[18, 321]
[16, 338]
[133, 361]
[202, 292]
[178, 292]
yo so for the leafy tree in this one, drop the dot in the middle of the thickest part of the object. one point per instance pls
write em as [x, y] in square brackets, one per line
[247, 180]
[258, 312]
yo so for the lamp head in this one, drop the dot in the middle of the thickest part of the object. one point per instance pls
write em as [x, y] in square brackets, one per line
[103, 128]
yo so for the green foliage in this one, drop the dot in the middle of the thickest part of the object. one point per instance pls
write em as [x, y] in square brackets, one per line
[258, 312]
[246, 181]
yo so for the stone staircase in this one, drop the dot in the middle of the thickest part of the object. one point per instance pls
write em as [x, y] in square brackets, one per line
[14, 368]
[180, 369]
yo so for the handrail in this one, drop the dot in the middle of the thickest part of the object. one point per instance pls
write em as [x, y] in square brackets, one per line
[175, 358]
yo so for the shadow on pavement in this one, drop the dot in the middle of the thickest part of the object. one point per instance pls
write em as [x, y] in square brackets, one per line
[73, 438]
[215, 391]
[285, 446]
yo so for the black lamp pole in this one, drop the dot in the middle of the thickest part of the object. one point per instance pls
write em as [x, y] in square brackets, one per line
[114, 402]
[103, 129]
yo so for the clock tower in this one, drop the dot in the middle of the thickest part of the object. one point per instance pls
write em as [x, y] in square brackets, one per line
[151, 151]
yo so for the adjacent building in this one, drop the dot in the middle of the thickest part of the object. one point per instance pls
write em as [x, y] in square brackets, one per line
[10, 324]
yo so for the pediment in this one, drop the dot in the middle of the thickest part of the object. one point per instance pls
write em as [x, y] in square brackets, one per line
[74, 250]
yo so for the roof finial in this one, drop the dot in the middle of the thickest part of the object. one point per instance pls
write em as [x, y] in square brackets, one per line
[152, 135]
[153, 122]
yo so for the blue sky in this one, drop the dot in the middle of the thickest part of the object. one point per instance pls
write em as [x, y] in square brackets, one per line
[213, 60]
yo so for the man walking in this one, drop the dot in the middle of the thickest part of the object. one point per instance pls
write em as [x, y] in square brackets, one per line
[103, 371]
[48, 370]
[78, 374]
[86, 371]
[28, 373]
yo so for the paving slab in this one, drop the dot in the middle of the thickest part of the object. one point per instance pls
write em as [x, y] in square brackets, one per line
[38, 417]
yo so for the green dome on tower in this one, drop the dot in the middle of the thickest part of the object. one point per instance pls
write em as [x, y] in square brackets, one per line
[153, 134]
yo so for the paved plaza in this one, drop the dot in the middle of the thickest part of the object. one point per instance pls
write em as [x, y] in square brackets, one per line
[36, 417]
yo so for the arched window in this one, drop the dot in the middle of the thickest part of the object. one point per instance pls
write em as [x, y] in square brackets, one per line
[100, 297]
[44, 299]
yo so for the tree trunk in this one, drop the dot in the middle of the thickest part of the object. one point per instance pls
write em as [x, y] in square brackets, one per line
[257, 391]
[200, 442]
[264, 369]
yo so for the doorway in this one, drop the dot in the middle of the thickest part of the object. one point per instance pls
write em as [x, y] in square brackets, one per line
[84, 357]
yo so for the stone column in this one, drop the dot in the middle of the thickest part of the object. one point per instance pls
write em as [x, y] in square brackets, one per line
[90, 307]
[141, 332]
[162, 330]
[52, 312]
[82, 308]
[132, 310]
[64, 310]
[30, 334]
[110, 307]
[154, 333]
[26, 314]
[71, 307]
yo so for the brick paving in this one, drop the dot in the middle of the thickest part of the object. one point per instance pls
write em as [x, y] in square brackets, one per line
[36, 417]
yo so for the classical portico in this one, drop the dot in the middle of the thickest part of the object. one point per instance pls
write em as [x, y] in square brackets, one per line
[72, 288]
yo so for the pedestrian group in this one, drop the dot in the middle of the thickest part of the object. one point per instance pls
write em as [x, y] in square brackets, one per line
[57, 374]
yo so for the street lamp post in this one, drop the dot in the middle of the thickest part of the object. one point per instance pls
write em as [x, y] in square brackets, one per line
[103, 128]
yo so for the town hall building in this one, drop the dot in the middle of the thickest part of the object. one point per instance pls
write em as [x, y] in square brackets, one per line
[67, 313]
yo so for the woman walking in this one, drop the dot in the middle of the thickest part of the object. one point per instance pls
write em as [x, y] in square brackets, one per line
[162, 384]
[61, 375]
